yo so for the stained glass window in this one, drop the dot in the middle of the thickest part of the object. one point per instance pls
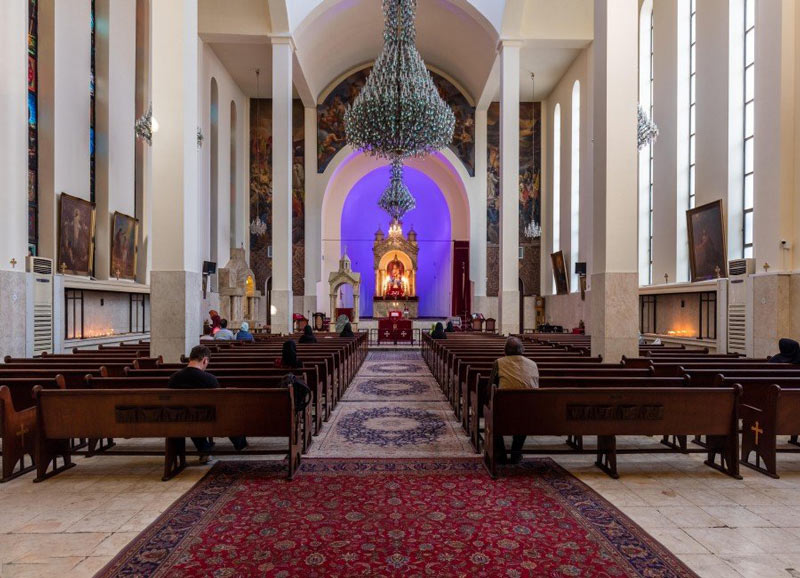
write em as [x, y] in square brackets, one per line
[33, 129]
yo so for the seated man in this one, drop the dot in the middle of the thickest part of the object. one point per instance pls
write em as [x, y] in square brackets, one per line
[195, 376]
[514, 371]
[224, 334]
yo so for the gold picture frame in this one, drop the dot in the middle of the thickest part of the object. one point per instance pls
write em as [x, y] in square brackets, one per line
[707, 241]
[124, 246]
[76, 229]
[560, 273]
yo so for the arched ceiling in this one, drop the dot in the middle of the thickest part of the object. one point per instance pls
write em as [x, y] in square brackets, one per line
[340, 34]
[456, 37]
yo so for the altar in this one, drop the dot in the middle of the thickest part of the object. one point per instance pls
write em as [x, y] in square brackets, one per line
[395, 330]
[395, 263]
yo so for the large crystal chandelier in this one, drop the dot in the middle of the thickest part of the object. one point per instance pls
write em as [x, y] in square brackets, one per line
[399, 113]
[396, 199]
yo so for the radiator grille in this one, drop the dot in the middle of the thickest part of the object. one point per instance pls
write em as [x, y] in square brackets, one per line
[737, 329]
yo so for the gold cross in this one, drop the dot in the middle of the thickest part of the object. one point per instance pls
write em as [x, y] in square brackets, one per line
[717, 270]
[766, 267]
[63, 268]
[21, 433]
[757, 431]
[13, 262]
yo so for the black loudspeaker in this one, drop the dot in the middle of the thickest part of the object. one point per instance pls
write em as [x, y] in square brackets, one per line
[209, 268]
[580, 268]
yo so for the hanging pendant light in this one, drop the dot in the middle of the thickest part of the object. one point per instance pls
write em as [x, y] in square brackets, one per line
[533, 230]
[399, 112]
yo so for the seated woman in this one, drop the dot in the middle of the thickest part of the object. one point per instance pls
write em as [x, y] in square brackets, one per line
[438, 332]
[341, 321]
[244, 333]
[449, 328]
[288, 359]
[308, 336]
[347, 331]
[789, 352]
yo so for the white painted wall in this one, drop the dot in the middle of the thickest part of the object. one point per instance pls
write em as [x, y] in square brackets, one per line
[580, 70]
[211, 67]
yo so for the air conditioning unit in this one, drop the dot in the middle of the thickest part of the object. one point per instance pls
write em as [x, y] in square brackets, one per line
[740, 306]
[42, 273]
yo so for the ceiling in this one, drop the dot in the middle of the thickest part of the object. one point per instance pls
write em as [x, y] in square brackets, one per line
[453, 37]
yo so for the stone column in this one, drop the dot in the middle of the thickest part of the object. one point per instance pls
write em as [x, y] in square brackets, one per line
[176, 290]
[13, 172]
[477, 237]
[615, 278]
[509, 186]
[282, 56]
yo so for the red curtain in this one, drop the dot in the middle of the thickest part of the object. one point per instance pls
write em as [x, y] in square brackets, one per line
[461, 300]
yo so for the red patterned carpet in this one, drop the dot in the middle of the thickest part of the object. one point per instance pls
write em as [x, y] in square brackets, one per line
[392, 518]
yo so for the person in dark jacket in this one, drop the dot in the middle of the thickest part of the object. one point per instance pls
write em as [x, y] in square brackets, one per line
[308, 335]
[195, 376]
[289, 358]
[347, 331]
[438, 332]
[449, 328]
[789, 352]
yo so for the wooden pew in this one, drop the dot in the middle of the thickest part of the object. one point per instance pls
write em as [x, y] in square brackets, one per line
[608, 413]
[174, 415]
[18, 423]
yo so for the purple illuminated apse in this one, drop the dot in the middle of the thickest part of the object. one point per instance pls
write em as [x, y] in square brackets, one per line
[361, 217]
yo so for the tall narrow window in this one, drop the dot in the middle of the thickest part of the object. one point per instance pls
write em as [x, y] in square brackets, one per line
[692, 97]
[33, 129]
[645, 220]
[749, 121]
[92, 115]
[214, 168]
[556, 182]
[575, 182]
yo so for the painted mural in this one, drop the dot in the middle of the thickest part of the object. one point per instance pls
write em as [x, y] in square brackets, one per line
[330, 119]
[261, 191]
[530, 203]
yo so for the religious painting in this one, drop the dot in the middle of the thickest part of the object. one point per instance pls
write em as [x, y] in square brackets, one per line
[330, 118]
[560, 273]
[261, 192]
[33, 127]
[124, 239]
[707, 250]
[493, 174]
[530, 154]
[76, 236]
[463, 144]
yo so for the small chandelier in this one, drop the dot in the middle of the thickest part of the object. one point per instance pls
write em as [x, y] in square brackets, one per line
[399, 112]
[396, 199]
[533, 230]
[648, 131]
[146, 126]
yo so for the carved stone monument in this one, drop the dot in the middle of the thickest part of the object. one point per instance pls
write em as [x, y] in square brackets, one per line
[345, 276]
[239, 300]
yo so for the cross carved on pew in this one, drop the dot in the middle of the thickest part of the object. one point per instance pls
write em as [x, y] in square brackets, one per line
[21, 433]
[757, 430]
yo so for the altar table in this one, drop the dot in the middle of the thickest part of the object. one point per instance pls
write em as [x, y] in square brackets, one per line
[395, 331]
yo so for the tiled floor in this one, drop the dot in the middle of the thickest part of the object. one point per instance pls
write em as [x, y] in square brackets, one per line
[73, 524]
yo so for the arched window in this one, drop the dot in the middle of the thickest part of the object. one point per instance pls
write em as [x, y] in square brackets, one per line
[234, 203]
[575, 183]
[749, 122]
[213, 185]
[646, 152]
[556, 182]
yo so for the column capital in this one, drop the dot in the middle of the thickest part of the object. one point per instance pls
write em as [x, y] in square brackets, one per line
[509, 43]
[283, 39]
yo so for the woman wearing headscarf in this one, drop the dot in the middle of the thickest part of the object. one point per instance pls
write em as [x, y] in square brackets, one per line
[308, 336]
[340, 322]
[449, 328]
[790, 352]
[288, 358]
[244, 333]
[347, 331]
[438, 332]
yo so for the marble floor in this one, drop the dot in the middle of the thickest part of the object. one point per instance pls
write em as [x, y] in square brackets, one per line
[73, 524]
